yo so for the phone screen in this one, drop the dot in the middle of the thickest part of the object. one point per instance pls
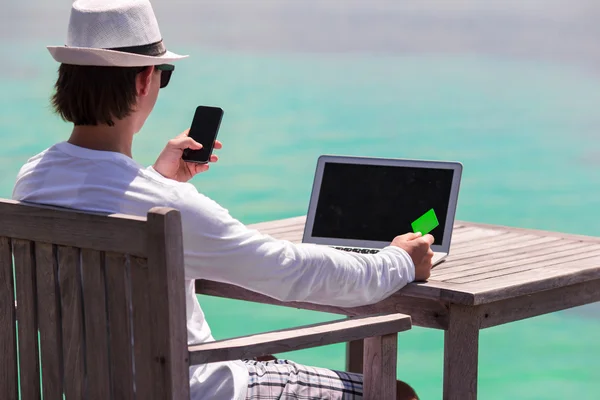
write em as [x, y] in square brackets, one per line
[205, 127]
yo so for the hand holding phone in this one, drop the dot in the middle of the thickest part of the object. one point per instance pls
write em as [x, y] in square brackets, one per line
[204, 130]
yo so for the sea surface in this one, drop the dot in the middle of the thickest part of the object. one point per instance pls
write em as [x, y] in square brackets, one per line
[510, 89]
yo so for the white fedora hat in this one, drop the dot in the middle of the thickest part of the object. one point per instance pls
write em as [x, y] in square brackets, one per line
[113, 33]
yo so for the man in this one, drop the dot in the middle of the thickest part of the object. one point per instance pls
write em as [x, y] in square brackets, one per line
[111, 71]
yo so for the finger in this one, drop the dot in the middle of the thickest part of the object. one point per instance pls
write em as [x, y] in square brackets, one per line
[185, 143]
[214, 158]
[196, 168]
[202, 168]
[410, 236]
[183, 134]
[218, 145]
[428, 239]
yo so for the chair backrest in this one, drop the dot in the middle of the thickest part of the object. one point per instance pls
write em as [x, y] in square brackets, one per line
[98, 301]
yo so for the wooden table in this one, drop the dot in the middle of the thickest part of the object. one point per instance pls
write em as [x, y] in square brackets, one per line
[494, 275]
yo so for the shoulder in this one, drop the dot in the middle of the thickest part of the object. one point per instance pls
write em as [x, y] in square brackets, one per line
[31, 164]
[182, 195]
[33, 161]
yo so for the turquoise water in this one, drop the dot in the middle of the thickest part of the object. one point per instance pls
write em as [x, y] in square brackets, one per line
[526, 131]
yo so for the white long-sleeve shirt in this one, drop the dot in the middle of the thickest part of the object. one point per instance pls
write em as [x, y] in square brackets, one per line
[216, 246]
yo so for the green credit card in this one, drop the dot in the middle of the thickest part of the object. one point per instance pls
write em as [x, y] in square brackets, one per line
[425, 223]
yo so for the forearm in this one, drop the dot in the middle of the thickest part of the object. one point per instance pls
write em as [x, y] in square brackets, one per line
[219, 247]
[309, 273]
[333, 277]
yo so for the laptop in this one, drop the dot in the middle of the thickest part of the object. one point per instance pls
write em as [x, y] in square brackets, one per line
[361, 204]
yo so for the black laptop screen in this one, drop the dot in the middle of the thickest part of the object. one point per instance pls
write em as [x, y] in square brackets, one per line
[374, 202]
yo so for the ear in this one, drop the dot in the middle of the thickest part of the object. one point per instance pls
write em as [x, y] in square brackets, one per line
[143, 80]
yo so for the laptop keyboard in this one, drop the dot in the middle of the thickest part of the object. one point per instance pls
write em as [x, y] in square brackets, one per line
[358, 250]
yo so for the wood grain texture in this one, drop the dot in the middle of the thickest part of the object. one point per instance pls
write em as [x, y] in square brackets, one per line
[116, 233]
[119, 333]
[483, 245]
[491, 243]
[381, 354]
[529, 231]
[463, 230]
[535, 280]
[515, 263]
[554, 266]
[507, 286]
[49, 321]
[142, 331]
[354, 356]
[548, 301]
[509, 254]
[461, 353]
[299, 338]
[463, 239]
[72, 322]
[424, 312]
[504, 251]
[96, 324]
[27, 315]
[570, 256]
[166, 283]
[439, 291]
[8, 342]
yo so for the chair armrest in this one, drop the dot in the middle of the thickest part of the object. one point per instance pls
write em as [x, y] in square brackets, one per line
[304, 337]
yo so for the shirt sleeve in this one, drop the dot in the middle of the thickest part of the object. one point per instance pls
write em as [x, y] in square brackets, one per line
[220, 248]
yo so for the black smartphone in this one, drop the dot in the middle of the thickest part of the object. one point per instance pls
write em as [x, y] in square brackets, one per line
[205, 127]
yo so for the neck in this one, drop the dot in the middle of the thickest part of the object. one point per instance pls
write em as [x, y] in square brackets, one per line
[117, 138]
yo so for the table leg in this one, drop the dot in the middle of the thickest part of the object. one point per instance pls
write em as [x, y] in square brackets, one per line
[461, 350]
[354, 356]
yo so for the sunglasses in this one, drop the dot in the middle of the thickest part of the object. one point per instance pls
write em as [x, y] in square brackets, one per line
[166, 70]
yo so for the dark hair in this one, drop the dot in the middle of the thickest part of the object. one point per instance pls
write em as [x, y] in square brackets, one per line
[89, 95]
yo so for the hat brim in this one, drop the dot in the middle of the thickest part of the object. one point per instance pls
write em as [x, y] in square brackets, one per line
[108, 58]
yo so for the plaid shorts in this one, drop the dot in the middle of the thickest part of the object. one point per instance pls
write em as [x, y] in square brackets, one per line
[282, 379]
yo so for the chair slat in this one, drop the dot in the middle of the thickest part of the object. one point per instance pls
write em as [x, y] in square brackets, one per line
[73, 282]
[8, 367]
[96, 331]
[72, 321]
[165, 258]
[380, 358]
[118, 233]
[49, 321]
[117, 286]
[27, 316]
[142, 333]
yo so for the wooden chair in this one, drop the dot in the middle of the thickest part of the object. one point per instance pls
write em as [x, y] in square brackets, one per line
[100, 311]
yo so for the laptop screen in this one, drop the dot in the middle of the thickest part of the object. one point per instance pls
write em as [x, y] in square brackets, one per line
[378, 202]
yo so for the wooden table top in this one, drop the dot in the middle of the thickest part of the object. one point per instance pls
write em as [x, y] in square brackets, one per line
[489, 263]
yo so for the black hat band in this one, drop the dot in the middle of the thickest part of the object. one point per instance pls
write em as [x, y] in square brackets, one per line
[153, 49]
